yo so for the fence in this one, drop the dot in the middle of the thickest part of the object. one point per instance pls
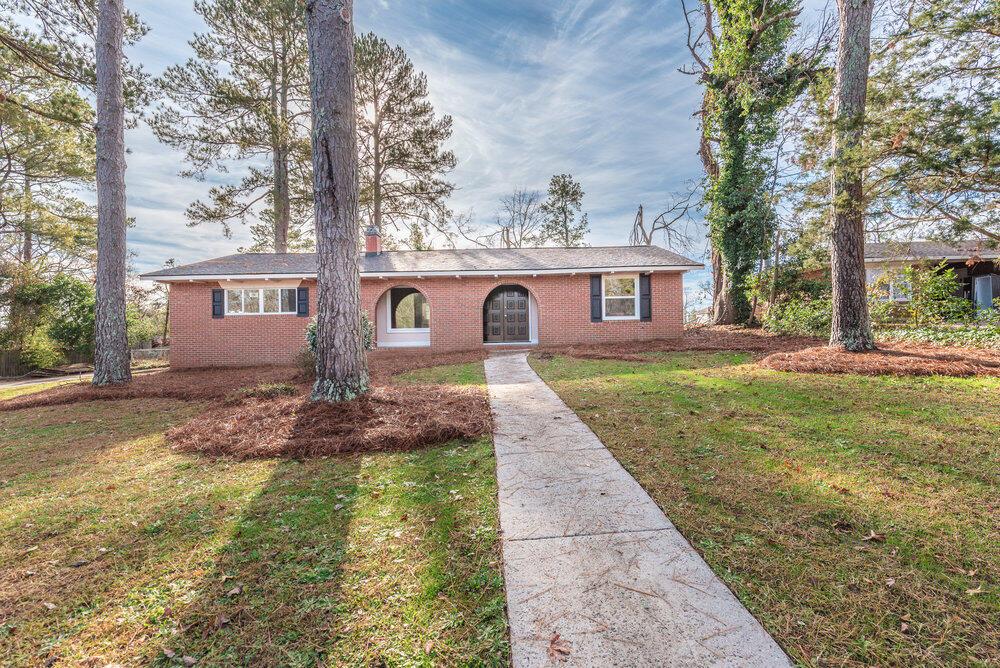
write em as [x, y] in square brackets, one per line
[12, 366]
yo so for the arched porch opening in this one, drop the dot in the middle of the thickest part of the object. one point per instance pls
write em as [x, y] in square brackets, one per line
[402, 318]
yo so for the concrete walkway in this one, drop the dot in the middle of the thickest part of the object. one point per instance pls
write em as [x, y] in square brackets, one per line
[596, 575]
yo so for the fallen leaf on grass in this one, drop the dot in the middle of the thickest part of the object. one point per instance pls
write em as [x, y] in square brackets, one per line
[189, 660]
[874, 537]
[559, 649]
[235, 591]
[977, 590]
[221, 620]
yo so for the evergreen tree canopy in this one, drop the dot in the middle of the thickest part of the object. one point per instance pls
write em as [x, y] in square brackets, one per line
[560, 210]
[403, 161]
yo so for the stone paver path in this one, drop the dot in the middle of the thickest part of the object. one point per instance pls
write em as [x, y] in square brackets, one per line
[596, 575]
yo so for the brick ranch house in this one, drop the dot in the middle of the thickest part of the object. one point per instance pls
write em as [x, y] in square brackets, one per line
[253, 308]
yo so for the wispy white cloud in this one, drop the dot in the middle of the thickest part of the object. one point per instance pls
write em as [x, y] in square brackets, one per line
[535, 88]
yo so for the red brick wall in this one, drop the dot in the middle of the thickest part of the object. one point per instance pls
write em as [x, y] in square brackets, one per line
[196, 339]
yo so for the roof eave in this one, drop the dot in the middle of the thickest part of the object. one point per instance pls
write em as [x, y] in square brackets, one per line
[177, 278]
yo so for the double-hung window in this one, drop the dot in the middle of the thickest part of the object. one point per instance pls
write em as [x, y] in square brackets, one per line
[251, 301]
[620, 297]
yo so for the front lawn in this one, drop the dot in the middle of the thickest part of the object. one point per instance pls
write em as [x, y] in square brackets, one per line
[116, 549]
[857, 517]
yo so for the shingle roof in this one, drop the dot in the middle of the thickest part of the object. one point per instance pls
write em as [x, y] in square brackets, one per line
[479, 260]
[904, 250]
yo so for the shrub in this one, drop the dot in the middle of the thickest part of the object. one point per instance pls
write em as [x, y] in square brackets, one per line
[367, 334]
[801, 315]
[40, 351]
[969, 336]
[924, 295]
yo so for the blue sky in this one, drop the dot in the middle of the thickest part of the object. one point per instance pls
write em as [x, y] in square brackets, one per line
[535, 88]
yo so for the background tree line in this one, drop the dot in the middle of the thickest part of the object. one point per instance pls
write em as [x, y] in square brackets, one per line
[814, 140]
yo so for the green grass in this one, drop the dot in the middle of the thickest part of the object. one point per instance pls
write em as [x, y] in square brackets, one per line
[858, 518]
[19, 390]
[114, 549]
[456, 374]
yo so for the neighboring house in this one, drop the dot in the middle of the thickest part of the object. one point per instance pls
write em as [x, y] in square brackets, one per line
[977, 267]
[252, 308]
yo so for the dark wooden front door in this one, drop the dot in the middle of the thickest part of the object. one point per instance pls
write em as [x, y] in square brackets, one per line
[505, 315]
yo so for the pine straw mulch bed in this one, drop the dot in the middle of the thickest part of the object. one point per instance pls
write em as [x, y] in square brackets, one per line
[265, 412]
[802, 354]
[891, 359]
[704, 339]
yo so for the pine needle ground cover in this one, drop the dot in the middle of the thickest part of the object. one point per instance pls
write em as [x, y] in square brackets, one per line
[858, 517]
[116, 548]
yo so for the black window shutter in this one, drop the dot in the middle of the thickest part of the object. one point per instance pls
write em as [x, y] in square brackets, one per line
[645, 297]
[302, 302]
[218, 303]
[596, 312]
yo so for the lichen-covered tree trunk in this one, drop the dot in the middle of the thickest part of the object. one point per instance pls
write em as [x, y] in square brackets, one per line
[341, 366]
[851, 327]
[111, 354]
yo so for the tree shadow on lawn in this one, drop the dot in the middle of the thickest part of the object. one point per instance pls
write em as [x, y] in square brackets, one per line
[851, 514]
[361, 559]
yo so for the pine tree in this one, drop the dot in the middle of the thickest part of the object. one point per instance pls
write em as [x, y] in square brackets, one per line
[403, 162]
[111, 353]
[560, 209]
[47, 147]
[244, 97]
[341, 365]
[58, 39]
[851, 326]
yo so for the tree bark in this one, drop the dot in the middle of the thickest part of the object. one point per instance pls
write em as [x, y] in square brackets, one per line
[111, 353]
[279, 154]
[282, 203]
[341, 365]
[27, 243]
[723, 310]
[851, 328]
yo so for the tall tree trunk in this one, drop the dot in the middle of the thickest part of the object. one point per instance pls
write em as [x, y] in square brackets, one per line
[851, 328]
[341, 365]
[27, 242]
[723, 310]
[376, 168]
[282, 209]
[282, 203]
[111, 354]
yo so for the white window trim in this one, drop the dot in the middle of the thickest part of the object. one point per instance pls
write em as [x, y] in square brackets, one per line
[604, 298]
[260, 300]
[388, 316]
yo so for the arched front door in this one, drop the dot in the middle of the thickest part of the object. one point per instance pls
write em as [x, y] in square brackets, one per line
[505, 315]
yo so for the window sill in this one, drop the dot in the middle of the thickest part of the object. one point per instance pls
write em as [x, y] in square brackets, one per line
[236, 315]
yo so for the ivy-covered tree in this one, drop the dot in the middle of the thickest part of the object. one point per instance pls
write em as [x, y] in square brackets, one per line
[243, 98]
[403, 162]
[742, 57]
[562, 222]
